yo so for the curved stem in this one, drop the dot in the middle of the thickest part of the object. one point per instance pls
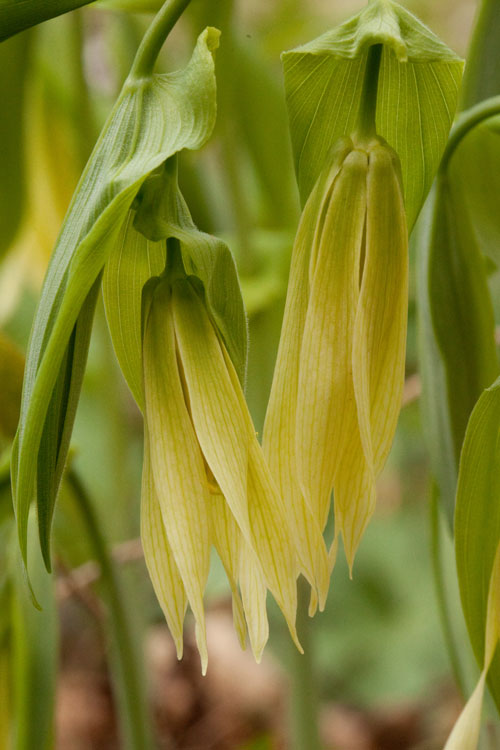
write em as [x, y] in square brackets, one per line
[466, 122]
[155, 36]
[444, 610]
[134, 715]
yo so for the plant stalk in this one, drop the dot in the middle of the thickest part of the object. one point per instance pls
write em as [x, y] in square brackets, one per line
[439, 582]
[134, 713]
[304, 698]
[367, 128]
[155, 36]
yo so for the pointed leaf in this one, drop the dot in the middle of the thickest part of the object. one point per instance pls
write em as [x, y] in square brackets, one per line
[132, 261]
[477, 523]
[154, 117]
[457, 328]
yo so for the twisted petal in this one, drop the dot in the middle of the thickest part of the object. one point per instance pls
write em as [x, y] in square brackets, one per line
[228, 541]
[254, 593]
[380, 330]
[176, 460]
[215, 408]
[279, 429]
[271, 538]
[379, 344]
[326, 409]
[160, 561]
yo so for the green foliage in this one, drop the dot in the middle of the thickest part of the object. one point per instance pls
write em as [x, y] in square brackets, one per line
[477, 521]
[155, 116]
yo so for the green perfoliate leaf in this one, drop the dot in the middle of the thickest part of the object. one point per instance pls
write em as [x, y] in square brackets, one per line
[133, 260]
[162, 213]
[477, 522]
[416, 97]
[155, 116]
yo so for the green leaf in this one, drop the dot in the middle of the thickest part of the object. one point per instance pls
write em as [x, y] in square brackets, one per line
[159, 215]
[133, 260]
[457, 333]
[155, 116]
[477, 521]
[13, 69]
[15, 16]
[416, 96]
[163, 213]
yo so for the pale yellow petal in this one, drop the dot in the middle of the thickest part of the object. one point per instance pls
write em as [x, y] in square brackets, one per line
[160, 562]
[176, 460]
[253, 594]
[228, 540]
[279, 429]
[215, 408]
[465, 734]
[381, 320]
[326, 411]
[271, 538]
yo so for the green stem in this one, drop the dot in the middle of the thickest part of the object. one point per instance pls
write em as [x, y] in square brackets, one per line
[134, 714]
[368, 104]
[439, 581]
[466, 122]
[304, 698]
[155, 36]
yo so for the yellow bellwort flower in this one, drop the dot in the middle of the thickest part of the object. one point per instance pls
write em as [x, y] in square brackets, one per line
[339, 376]
[205, 480]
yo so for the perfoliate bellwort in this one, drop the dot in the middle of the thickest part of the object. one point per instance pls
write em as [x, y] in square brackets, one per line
[205, 480]
[339, 377]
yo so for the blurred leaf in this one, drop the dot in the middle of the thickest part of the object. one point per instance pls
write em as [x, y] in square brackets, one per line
[482, 78]
[326, 76]
[13, 69]
[457, 332]
[477, 521]
[11, 381]
[15, 16]
[155, 116]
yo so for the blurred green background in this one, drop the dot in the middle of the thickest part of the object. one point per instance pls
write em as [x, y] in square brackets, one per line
[382, 669]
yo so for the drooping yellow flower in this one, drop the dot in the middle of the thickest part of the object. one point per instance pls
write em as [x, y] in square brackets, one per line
[205, 480]
[339, 375]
